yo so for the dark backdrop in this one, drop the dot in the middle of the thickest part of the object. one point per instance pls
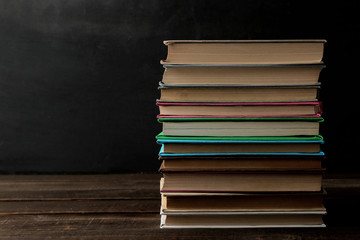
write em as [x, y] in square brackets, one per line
[78, 78]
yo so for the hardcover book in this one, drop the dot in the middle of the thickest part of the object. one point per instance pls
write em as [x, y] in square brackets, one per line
[305, 93]
[237, 109]
[242, 202]
[254, 220]
[279, 181]
[244, 51]
[241, 163]
[241, 127]
[280, 74]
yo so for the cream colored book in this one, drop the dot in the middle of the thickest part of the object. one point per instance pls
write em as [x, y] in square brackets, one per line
[239, 94]
[243, 202]
[255, 220]
[241, 128]
[242, 182]
[255, 75]
[244, 51]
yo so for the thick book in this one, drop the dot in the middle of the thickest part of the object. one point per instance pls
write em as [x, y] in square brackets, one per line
[239, 109]
[254, 220]
[241, 202]
[241, 127]
[279, 181]
[239, 162]
[190, 74]
[304, 93]
[244, 51]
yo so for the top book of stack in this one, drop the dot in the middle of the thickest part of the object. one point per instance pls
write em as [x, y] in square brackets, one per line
[244, 52]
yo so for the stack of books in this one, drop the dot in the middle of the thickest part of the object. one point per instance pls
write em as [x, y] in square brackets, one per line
[241, 145]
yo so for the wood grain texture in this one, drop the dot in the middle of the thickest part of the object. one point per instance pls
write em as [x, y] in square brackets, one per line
[77, 187]
[126, 206]
[143, 226]
[80, 206]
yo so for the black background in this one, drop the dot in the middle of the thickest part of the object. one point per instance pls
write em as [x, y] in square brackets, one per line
[78, 79]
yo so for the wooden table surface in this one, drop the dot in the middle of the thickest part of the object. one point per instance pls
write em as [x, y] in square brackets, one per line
[126, 206]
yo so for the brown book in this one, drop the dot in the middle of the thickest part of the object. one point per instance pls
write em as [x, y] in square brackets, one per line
[242, 163]
[240, 109]
[239, 94]
[241, 148]
[241, 128]
[254, 220]
[242, 181]
[242, 75]
[243, 202]
[244, 51]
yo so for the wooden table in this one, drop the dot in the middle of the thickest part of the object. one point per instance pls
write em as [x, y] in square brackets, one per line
[126, 206]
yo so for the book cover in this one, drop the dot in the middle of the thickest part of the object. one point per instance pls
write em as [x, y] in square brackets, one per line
[161, 139]
[244, 51]
[225, 93]
[163, 154]
[314, 85]
[238, 109]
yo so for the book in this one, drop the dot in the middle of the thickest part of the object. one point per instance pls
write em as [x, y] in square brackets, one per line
[240, 127]
[305, 93]
[254, 220]
[241, 163]
[239, 145]
[238, 109]
[161, 138]
[270, 74]
[297, 181]
[197, 154]
[241, 148]
[162, 119]
[241, 202]
[244, 51]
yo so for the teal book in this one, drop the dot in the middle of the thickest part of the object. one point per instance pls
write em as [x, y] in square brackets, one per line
[161, 139]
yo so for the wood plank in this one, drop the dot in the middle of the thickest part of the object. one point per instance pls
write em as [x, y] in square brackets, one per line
[77, 187]
[80, 206]
[140, 226]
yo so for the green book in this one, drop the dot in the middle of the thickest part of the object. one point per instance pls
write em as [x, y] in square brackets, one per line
[161, 138]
